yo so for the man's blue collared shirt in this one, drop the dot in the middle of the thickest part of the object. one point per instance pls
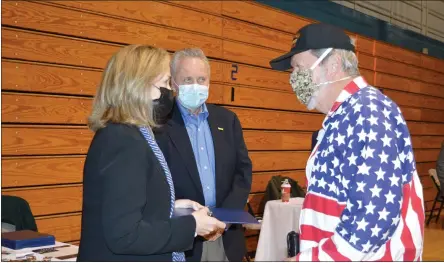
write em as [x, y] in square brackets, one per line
[202, 142]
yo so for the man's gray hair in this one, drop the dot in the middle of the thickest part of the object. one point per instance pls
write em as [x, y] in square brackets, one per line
[349, 61]
[187, 53]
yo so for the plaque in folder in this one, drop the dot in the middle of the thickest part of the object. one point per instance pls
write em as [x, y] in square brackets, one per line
[228, 216]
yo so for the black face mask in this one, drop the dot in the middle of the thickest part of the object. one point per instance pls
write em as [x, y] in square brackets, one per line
[163, 105]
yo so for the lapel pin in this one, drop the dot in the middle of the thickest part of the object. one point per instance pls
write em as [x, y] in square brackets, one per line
[220, 129]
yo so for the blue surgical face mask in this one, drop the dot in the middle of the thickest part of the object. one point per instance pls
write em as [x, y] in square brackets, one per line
[192, 96]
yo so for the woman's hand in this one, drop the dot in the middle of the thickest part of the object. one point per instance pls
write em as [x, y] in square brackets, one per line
[186, 203]
[205, 224]
[214, 235]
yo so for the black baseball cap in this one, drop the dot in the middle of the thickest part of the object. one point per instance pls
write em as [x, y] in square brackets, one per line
[313, 36]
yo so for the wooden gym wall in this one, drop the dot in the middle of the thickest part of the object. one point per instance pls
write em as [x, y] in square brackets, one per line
[54, 53]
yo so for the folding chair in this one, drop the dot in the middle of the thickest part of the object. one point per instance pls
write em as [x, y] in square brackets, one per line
[438, 198]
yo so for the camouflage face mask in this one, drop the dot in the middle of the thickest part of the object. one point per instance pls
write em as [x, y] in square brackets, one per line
[302, 81]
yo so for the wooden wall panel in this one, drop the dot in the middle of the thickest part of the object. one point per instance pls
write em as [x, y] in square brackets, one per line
[426, 128]
[248, 33]
[35, 171]
[397, 68]
[426, 115]
[426, 155]
[278, 161]
[395, 53]
[427, 142]
[205, 5]
[271, 140]
[248, 54]
[278, 120]
[423, 168]
[51, 200]
[403, 84]
[65, 228]
[365, 45]
[54, 53]
[155, 12]
[432, 76]
[366, 61]
[49, 79]
[34, 140]
[265, 16]
[432, 63]
[255, 76]
[24, 45]
[254, 97]
[415, 100]
[63, 21]
[27, 108]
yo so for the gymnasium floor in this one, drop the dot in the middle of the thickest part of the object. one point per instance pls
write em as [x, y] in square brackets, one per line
[434, 242]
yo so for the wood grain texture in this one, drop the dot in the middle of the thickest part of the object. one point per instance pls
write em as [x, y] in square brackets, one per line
[425, 128]
[21, 108]
[365, 45]
[416, 100]
[278, 120]
[64, 228]
[404, 84]
[270, 140]
[262, 15]
[25, 45]
[51, 200]
[18, 76]
[268, 99]
[398, 54]
[398, 69]
[209, 6]
[426, 155]
[278, 161]
[427, 142]
[423, 168]
[32, 140]
[254, 34]
[432, 63]
[35, 171]
[257, 77]
[80, 24]
[432, 76]
[426, 115]
[248, 54]
[366, 61]
[56, 79]
[155, 12]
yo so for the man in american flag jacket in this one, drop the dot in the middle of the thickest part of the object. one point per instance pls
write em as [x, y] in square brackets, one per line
[364, 199]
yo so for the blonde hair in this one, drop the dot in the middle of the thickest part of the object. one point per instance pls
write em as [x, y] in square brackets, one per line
[124, 94]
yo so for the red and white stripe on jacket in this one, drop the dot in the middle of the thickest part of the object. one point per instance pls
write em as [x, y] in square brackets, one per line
[364, 199]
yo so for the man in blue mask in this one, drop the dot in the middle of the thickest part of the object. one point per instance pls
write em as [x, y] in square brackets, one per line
[205, 149]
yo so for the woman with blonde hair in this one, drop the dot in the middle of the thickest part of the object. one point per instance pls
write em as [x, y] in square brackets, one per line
[128, 194]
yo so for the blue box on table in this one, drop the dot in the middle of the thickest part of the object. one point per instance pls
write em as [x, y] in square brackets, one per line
[26, 238]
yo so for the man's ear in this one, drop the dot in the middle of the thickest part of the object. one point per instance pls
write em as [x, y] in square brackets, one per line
[333, 66]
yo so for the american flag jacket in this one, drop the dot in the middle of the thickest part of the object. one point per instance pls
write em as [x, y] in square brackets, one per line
[364, 199]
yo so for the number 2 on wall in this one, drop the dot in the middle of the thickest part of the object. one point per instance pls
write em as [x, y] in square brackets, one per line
[234, 71]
